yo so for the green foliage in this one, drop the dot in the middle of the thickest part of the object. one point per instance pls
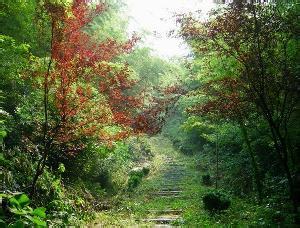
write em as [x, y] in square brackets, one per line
[137, 172]
[14, 58]
[112, 24]
[216, 201]
[73, 187]
[3, 118]
[135, 177]
[26, 22]
[50, 193]
[61, 168]
[134, 180]
[16, 212]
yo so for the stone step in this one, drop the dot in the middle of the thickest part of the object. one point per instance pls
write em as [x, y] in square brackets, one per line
[176, 177]
[173, 175]
[175, 164]
[172, 171]
[171, 185]
[173, 181]
[167, 193]
[162, 220]
[163, 226]
[175, 172]
[166, 211]
[176, 169]
[173, 196]
[170, 189]
[173, 178]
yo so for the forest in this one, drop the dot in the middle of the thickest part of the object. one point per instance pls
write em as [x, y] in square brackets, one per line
[99, 130]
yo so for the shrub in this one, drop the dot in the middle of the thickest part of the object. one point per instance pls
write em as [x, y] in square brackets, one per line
[135, 177]
[146, 170]
[134, 181]
[146, 148]
[206, 180]
[16, 212]
[216, 201]
[138, 171]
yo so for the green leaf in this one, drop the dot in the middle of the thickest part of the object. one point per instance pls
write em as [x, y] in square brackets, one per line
[61, 168]
[37, 221]
[40, 212]
[23, 200]
[2, 134]
[2, 195]
[14, 202]
[18, 211]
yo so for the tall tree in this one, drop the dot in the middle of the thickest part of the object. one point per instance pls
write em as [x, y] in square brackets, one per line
[263, 41]
[83, 91]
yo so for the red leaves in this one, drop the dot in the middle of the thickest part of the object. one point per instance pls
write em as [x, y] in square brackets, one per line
[223, 99]
[82, 63]
[175, 89]
[151, 119]
[79, 90]
[122, 118]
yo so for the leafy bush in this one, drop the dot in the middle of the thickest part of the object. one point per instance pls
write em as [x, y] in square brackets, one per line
[16, 212]
[145, 148]
[133, 181]
[136, 175]
[216, 201]
[138, 171]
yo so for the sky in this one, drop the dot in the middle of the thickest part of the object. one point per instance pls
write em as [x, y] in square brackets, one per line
[156, 17]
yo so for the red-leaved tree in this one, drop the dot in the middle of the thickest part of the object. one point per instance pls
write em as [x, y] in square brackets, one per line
[84, 92]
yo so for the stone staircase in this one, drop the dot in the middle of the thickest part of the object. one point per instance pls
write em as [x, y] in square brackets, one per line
[170, 189]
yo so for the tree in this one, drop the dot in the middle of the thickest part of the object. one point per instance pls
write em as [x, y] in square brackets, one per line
[225, 101]
[83, 91]
[262, 40]
[16, 19]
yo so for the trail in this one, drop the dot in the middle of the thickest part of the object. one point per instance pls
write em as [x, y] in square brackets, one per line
[171, 196]
[169, 189]
[165, 197]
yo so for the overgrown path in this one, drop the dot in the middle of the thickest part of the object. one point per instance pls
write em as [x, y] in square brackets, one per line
[165, 197]
[164, 200]
[171, 195]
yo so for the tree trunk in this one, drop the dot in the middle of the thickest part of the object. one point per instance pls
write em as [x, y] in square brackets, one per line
[254, 164]
[217, 163]
[46, 141]
[282, 151]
